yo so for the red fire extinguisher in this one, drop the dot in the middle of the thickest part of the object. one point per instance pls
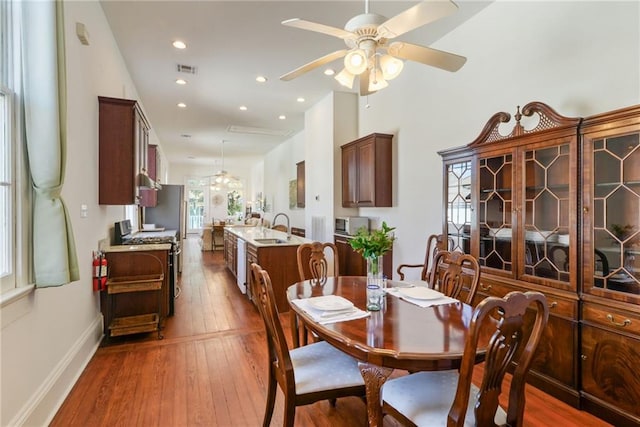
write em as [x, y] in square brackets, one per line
[99, 271]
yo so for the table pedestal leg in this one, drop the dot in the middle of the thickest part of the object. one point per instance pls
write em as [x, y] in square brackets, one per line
[374, 376]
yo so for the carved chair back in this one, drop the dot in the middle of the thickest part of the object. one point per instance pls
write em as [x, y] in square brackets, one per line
[511, 342]
[435, 243]
[455, 274]
[313, 264]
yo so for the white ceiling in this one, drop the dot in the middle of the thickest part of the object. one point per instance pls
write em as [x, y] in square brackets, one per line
[230, 43]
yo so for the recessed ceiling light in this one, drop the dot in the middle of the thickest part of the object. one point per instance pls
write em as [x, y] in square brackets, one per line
[301, 99]
[181, 81]
[182, 105]
[178, 44]
[329, 72]
[261, 79]
[243, 108]
[282, 117]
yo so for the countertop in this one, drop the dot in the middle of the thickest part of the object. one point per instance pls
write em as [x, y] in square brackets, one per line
[138, 248]
[250, 233]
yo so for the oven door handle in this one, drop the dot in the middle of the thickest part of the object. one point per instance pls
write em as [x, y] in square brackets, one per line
[178, 252]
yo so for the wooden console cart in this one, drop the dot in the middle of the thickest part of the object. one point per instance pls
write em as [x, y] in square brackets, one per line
[554, 206]
[135, 301]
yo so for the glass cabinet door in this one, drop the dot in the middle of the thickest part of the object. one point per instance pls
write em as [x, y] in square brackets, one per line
[494, 212]
[458, 188]
[546, 212]
[616, 213]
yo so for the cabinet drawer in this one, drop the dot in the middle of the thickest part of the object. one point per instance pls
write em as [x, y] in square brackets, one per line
[611, 318]
[558, 306]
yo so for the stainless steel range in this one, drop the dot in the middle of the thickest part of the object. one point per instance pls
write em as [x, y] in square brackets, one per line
[123, 235]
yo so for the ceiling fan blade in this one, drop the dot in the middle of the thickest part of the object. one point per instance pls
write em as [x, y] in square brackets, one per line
[416, 16]
[364, 84]
[426, 55]
[318, 28]
[314, 64]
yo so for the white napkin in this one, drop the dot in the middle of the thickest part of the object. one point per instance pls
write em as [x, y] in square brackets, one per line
[324, 317]
[420, 302]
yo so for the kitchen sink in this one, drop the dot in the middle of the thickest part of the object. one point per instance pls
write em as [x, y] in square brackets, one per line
[271, 241]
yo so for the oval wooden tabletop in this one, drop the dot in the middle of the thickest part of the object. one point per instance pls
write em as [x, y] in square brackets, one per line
[402, 335]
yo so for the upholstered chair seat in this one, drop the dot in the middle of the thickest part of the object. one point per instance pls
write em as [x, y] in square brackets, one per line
[319, 367]
[425, 398]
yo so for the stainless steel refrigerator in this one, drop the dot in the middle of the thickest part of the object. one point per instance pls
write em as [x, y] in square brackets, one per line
[169, 213]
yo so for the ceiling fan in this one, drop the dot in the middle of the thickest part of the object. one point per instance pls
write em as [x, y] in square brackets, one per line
[368, 36]
[222, 177]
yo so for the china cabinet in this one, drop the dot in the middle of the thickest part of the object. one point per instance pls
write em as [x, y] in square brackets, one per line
[123, 141]
[554, 206]
[510, 201]
[610, 349]
[366, 171]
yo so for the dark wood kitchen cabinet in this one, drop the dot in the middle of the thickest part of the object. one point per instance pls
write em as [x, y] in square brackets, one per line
[300, 185]
[367, 171]
[149, 196]
[123, 140]
[556, 209]
[351, 263]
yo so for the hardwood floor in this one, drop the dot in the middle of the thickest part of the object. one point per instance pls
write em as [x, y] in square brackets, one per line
[210, 369]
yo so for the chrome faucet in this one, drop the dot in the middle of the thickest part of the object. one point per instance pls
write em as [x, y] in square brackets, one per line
[288, 223]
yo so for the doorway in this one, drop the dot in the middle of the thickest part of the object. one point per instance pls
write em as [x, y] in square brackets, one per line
[197, 193]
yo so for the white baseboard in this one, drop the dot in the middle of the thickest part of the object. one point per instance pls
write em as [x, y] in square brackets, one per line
[45, 402]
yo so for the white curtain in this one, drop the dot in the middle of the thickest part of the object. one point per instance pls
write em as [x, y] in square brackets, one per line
[44, 87]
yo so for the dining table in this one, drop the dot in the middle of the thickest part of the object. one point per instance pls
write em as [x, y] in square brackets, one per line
[412, 334]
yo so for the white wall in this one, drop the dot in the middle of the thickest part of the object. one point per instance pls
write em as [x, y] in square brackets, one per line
[328, 124]
[280, 169]
[581, 58]
[48, 337]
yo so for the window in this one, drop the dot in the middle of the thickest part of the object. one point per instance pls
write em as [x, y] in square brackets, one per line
[15, 198]
[7, 194]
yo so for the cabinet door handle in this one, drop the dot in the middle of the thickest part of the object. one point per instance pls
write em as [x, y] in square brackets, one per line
[485, 288]
[553, 304]
[625, 322]
[583, 357]
[585, 209]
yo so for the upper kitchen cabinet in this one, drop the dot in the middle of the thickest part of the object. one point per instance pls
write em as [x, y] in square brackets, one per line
[300, 184]
[367, 172]
[149, 196]
[123, 141]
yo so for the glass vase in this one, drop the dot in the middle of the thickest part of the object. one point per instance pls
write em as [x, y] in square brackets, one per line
[375, 292]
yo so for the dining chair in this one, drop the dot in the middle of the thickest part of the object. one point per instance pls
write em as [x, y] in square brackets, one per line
[435, 243]
[455, 274]
[306, 374]
[439, 398]
[313, 265]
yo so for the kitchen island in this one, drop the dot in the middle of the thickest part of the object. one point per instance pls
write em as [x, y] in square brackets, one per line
[273, 250]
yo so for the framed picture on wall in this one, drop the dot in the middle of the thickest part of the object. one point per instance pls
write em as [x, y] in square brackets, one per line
[293, 193]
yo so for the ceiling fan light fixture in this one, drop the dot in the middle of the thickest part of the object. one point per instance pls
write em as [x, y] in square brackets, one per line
[345, 78]
[356, 61]
[391, 67]
[376, 80]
